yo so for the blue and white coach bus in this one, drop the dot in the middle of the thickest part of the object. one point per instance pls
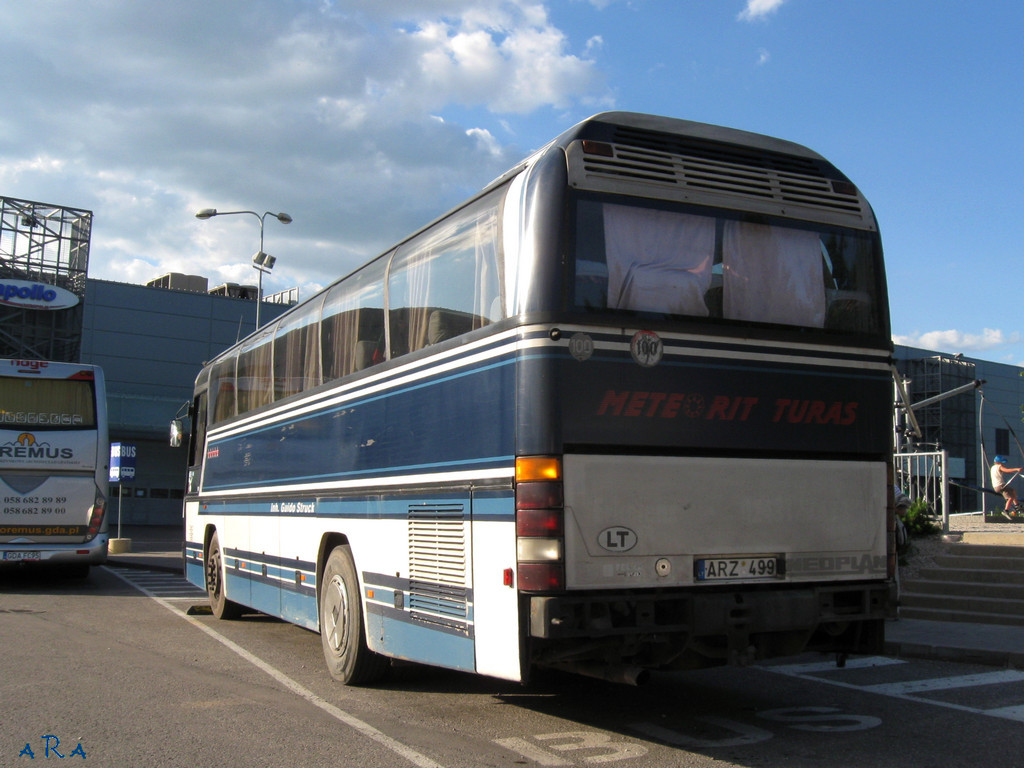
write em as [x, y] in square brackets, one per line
[628, 408]
[53, 465]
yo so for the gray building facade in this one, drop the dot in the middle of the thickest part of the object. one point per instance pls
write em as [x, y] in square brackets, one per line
[151, 343]
[973, 427]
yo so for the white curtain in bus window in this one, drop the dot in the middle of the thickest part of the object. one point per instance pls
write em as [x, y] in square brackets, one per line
[773, 275]
[255, 380]
[352, 325]
[222, 389]
[445, 282]
[658, 261]
[487, 297]
[296, 351]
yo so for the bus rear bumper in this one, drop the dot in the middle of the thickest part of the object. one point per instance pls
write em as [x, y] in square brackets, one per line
[693, 629]
[89, 553]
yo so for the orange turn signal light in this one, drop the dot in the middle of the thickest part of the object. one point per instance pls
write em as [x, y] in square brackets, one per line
[534, 468]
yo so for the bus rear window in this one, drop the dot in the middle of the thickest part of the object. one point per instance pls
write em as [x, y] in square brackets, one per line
[46, 403]
[673, 263]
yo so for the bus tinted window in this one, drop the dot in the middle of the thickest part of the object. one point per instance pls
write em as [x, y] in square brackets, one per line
[676, 263]
[222, 388]
[255, 382]
[297, 351]
[44, 403]
[445, 282]
[352, 327]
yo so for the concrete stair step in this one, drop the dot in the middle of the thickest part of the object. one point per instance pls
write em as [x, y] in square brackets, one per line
[951, 559]
[972, 575]
[948, 614]
[986, 550]
[965, 588]
[981, 583]
[964, 603]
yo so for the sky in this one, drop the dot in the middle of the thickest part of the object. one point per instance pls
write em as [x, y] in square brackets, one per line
[366, 119]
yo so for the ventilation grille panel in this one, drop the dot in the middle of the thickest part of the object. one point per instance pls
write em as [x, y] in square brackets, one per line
[719, 174]
[437, 565]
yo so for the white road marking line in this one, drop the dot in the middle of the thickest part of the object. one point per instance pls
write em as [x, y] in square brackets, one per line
[861, 662]
[1009, 713]
[947, 683]
[531, 751]
[169, 585]
[341, 715]
[907, 690]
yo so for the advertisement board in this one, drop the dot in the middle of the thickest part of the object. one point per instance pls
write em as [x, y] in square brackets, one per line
[33, 295]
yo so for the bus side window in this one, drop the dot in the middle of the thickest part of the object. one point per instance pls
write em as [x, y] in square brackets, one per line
[255, 379]
[198, 437]
[352, 322]
[222, 389]
[445, 282]
[297, 351]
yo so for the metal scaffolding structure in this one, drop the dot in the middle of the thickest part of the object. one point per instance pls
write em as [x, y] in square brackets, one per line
[948, 424]
[48, 244]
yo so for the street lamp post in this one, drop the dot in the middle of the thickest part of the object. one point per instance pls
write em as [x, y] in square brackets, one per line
[261, 261]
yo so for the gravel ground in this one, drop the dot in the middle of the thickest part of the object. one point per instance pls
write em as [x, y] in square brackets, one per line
[923, 549]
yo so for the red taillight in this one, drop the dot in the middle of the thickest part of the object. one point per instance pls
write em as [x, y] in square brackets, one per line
[96, 518]
[540, 524]
[541, 577]
[541, 495]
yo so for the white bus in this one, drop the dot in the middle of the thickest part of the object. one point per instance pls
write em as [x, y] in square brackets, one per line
[54, 452]
[628, 408]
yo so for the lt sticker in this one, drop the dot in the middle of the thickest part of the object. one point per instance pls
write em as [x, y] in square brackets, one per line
[618, 538]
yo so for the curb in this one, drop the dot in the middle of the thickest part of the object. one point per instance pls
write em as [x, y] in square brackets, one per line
[147, 565]
[993, 537]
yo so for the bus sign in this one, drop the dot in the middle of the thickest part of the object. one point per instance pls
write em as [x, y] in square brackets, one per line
[122, 462]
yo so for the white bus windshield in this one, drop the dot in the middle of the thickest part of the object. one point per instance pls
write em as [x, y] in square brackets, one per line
[677, 263]
[46, 403]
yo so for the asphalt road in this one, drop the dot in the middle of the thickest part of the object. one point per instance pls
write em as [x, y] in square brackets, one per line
[123, 677]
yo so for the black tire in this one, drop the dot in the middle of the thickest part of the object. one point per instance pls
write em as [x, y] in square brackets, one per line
[342, 630]
[220, 605]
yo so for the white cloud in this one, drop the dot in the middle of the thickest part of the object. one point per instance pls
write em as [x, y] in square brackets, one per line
[144, 113]
[510, 63]
[763, 57]
[759, 9]
[959, 341]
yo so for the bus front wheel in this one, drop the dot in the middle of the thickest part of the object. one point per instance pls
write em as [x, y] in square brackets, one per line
[220, 605]
[348, 658]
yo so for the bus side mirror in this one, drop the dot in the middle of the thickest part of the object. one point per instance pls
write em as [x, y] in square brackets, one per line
[177, 433]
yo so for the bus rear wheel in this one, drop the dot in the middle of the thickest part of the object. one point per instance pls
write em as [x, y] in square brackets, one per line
[220, 605]
[342, 634]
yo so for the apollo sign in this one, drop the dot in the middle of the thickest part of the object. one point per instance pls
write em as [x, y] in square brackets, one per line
[30, 295]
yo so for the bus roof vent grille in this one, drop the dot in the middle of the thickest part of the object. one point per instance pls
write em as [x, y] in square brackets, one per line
[702, 167]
